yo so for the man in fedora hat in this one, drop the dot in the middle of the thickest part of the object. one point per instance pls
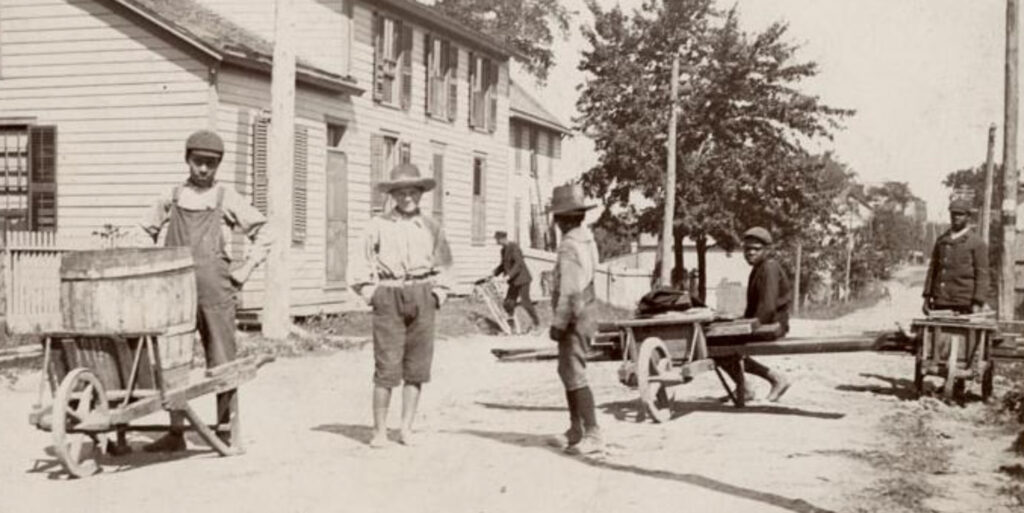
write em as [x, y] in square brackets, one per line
[200, 214]
[958, 274]
[768, 300]
[514, 267]
[402, 275]
[573, 324]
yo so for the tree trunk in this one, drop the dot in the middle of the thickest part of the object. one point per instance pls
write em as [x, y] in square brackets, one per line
[678, 271]
[702, 264]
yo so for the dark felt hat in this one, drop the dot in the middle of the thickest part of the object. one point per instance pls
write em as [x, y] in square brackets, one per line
[568, 198]
[204, 140]
[960, 205]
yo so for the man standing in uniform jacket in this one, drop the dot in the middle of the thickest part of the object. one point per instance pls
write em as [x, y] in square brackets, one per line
[958, 274]
[513, 266]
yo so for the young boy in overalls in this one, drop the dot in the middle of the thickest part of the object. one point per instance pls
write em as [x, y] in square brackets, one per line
[197, 214]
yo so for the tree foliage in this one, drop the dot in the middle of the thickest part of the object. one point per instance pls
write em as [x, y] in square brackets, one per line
[742, 131]
[528, 26]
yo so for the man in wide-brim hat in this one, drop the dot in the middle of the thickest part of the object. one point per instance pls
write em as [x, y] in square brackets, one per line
[574, 323]
[401, 273]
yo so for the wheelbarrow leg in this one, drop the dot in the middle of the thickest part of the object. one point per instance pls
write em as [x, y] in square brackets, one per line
[206, 433]
[735, 369]
[228, 418]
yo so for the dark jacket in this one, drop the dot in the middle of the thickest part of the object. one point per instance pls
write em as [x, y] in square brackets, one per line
[769, 294]
[512, 265]
[958, 274]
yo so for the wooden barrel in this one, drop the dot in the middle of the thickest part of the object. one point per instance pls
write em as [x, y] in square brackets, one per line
[128, 290]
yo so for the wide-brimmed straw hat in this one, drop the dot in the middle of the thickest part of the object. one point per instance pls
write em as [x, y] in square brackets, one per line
[406, 175]
[568, 198]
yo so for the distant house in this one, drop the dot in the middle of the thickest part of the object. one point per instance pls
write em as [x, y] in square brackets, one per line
[97, 97]
[535, 138]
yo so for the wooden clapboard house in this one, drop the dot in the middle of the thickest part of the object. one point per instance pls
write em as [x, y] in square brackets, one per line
[97, 97]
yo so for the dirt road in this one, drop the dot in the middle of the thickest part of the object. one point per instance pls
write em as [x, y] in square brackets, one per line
[846, 438]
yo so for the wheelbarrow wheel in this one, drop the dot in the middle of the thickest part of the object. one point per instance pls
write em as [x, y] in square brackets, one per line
[79, 398]
[653, 365]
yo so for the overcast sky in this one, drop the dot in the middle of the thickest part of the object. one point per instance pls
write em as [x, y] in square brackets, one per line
[925, 77]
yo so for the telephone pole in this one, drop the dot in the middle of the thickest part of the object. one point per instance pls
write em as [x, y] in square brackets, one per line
[1007, 260]
[986, 209]
[276, 321]
[667, 240]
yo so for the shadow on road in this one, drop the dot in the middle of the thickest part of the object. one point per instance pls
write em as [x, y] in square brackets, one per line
[137, 458]
[520, 407]
[623, 410]
[900, 388]
[361, 433]
[541, 441]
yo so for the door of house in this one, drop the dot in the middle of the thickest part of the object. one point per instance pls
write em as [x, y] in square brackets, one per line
[337, 218]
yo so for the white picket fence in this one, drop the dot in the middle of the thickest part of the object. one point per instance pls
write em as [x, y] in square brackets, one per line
[31, 278]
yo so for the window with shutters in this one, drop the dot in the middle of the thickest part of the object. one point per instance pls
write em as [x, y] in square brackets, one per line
[483, 93]
[384, 156]
[392, 57]
[300, 174]
[28, 178]
[517, 147]
[534, 134]
[479, 228]
[442, 64]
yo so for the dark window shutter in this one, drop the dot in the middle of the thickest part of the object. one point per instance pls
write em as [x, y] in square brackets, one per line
[300, 183]
[428, 62]
[438, 168]
[406, 79]
[260, 132]
[491, 86]
[42, 186]
[474, 107]
[378, 57]
[376, 173]
[453, 82]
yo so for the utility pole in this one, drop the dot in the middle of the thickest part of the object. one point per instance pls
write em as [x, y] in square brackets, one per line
[1007, 260]
[986, 209]
[276, 321]
[667, 241]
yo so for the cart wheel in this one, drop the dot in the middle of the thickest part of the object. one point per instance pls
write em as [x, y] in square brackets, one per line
[79, 397]
[986, 381]
[654, 362]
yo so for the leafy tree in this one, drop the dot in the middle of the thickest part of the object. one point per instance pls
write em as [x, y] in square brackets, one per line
[525, 25]
[741, 158]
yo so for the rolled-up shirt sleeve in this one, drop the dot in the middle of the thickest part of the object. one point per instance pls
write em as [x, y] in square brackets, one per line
[361, 268]
[155, 217]
[572, 279]
[245, 218]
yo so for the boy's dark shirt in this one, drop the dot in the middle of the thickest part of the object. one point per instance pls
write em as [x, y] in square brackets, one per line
[769, 294]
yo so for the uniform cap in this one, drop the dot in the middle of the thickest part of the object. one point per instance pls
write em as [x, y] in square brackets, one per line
[960, 205]
[759, 234]
[500, 234]
[204, 140]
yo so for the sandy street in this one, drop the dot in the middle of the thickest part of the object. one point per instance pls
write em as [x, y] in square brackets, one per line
[841, 440]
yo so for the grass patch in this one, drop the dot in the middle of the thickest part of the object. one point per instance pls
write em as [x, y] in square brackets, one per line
[836, 310]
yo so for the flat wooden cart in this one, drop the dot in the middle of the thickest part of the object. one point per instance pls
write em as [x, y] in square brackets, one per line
[100, 383]
[958, 348]
[662, 352]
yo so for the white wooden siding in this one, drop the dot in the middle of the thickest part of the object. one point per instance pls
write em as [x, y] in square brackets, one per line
[423, 132]
[123, 101]
[323, 27]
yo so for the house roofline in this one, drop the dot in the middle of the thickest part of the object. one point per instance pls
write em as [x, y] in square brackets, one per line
[307, 74]
[537, 120]
[430, 16]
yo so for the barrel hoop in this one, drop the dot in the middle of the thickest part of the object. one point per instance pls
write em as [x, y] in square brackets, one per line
[156, 268]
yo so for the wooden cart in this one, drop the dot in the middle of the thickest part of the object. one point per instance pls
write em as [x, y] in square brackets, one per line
[663, 352]
[100, 383]
[958, 348]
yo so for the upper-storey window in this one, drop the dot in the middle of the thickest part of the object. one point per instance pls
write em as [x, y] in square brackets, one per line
[392, 62]
[483, 93]
[442, 63]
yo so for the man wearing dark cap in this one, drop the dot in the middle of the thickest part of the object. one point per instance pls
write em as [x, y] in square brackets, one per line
[402, 273]
[574, 323]
[200, 214]
[513, 266]
[958, 274]
[768, 299]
